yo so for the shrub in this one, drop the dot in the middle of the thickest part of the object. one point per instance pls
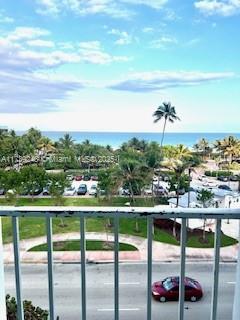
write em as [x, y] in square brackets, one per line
[30, 312]
[218, 173]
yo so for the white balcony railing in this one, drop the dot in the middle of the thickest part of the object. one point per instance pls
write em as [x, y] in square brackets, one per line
[144, 213]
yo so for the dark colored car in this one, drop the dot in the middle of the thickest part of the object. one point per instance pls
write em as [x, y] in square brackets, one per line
[78, 178]
[24, 191]
[234, 178]
[223, 178]
[224, 187]
[46, 191]
[2, 192]
[35, 191]
[86, 178]
[168, 289]
[159, 191]
[82, 190]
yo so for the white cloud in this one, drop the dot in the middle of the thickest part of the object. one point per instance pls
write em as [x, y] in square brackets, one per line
[159, 80]
[41, 43]
[24, 33]
[113, 8]
[19, 49]
[5, 19]
[148, 30]
[124, 37]
[219, 7]
[163, 42]
[155, 4]
[23, 55]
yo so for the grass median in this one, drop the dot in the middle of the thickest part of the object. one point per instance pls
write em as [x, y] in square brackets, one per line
[91, 245]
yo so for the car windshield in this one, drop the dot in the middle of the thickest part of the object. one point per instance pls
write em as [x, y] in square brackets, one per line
[168, 284]
[93, 187]
[192, 283]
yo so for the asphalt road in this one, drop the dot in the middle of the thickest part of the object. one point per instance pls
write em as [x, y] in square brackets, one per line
[132, 290]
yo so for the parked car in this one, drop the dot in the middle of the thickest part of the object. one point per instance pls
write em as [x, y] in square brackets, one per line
[147, 191]
[69, 177]
[35, 191]
[86, 178]
[2, 192]
[78, 178]
[224, 187]
[223, 178]
[168, 289]
[93, 190]
[46, 191]
[70, 191]
[24, 191]
[234, 178]
[82, 190]
[124, 192]
[210, 183]
[94, 178]
[202, 178]
[160, 191]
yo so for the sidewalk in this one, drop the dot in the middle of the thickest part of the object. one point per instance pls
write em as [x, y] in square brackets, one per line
[161, 251]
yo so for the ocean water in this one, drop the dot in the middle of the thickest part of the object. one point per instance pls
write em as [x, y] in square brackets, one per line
[115, 139]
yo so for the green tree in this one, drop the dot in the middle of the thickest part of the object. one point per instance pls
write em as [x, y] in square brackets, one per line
[203, 148]
[66, 142]
[166, 112]
[205, 197]
[33, 177]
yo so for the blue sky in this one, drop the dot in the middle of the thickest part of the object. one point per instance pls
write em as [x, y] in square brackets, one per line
[105, 65]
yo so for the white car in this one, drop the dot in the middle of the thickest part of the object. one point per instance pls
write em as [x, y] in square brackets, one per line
[210, 183]
[147, 191]
[202, 178]
[69, 191]
[93, 190]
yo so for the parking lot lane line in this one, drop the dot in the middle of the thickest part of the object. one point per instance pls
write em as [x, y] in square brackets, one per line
[121, 309]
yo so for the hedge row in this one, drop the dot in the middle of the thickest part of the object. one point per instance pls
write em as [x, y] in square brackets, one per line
[218, 173]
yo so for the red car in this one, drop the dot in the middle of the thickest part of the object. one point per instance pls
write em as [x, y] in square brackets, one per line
[168, 289]
[94, 178]
[78, 178]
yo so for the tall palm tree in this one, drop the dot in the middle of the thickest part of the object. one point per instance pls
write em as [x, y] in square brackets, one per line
[182, 152]
[203, 147]
[66, 142]
[166, 112]
[229, 147]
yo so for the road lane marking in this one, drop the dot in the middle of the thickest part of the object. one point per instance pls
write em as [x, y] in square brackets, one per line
[121, 309]
[231, 282]
[122, 283]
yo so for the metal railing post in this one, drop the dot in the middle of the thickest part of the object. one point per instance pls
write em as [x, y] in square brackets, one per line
[116, 267]
[217, 244]
[50, 268]
[15, 225]
[149, 268]
[236, 301]
[3, 314]
[83, 267]
[182, 270]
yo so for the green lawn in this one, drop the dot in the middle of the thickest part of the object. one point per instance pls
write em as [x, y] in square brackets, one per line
[35, 227]
[91, 245]
[81, 201]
